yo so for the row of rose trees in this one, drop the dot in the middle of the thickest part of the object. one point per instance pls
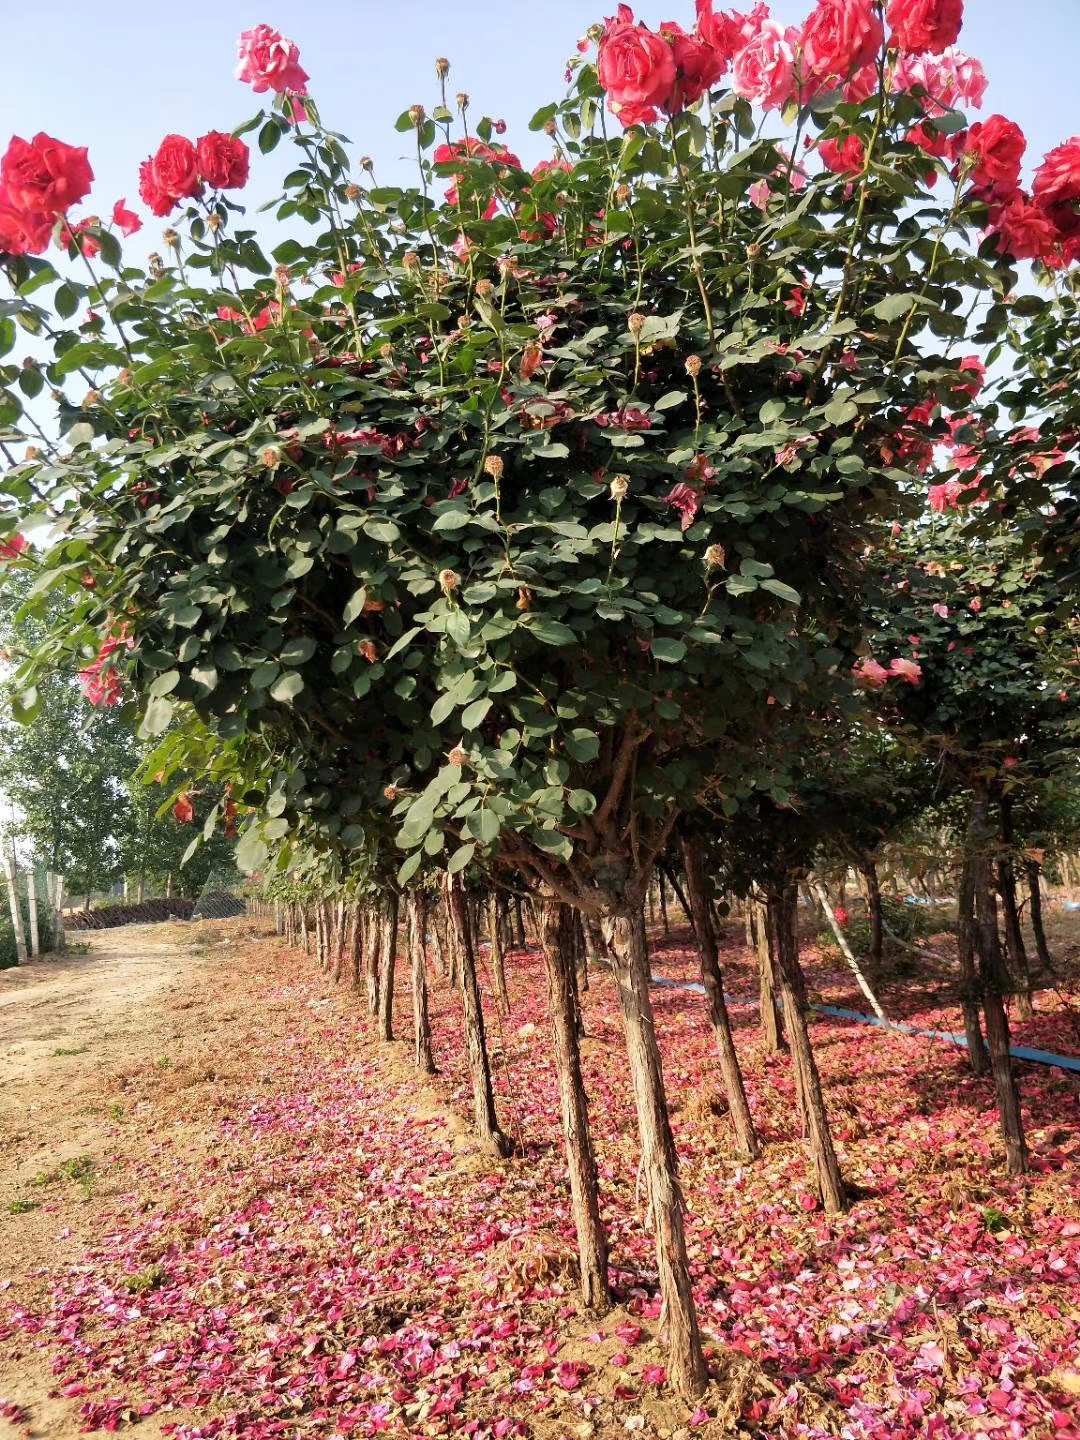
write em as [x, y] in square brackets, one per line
[516, 521]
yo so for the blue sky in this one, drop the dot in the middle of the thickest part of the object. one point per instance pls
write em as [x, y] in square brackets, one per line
[119, 76]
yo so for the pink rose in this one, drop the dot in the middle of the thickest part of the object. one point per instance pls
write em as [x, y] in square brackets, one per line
[843, 157]
[637, 69]
[44, 176]
[12, 547]
[996, 146]
[949, 79]
[925, 24]
[222, 161]
[270, 61]
[839, 38]
[869, 674]
[126, 221]
[1057, 187]
[22, 232]
[764, 70]
[727, 34]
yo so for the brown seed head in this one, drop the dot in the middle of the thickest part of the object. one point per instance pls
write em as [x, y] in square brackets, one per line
[620, 486]
[449, 580]
[635, 323]
[493, 466]
[715, 557]
[417, 115]
[693, 366]
[458, 756]
[442, 68]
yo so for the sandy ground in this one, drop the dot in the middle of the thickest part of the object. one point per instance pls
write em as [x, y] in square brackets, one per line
[74, 1029]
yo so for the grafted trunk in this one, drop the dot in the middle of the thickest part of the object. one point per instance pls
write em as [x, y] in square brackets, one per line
[372, 958]
[995, 986]
[1015, 948]
[556, 925]
[389, 929]
[484, 1116]
[874, 912]
[970, 989]
[498, 967]
[1032, 873]
[624, 928]
[417, 913]
[783, 922]
[581, 960]
[437, 915]
[661, 894]
[757, 920]
[355, 946]
[700, 902]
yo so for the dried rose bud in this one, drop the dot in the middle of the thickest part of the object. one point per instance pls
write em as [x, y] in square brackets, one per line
[620, 486]
[410, 260]
[417, 115]
[458, 756]
[753, 252]
[391, 792]
[368, 650]
[693, 366]
[550, 128]
[449, 580]
[156, 264]
[90, 398]
[171, 238]
[635, 323]
[353, 192]
[622, 194]
[367, 163]
[271, 457]
[493, 466]
[442, 68]
[524, 599]
[386, 350]
[715, 557]
[461, 100]
[283, 275]
[485, 287]
[214, 221]
[32, 453]
[123, 376]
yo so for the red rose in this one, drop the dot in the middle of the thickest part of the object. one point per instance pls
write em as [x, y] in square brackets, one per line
[183, 810]
[997, 147]
[842, 156]
[175, 170]
[839, 38]
[1057, 187]
[728, 33]
[151, 193]
[223, 161]
[125, 220]
[44, 176]
[920, 25]
[22, 233]
[697, 65]
[636, 67]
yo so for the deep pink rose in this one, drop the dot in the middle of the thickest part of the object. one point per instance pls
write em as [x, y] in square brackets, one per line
[151, 193]
[636, 67]
[21, 232]
[949, 79]
[996, 147]
[175, 168]
[869, 674]
[925, 24]
[697, 66]
[727, 34]
[125, 220]
[764, 69]
[12, 547]
[270, 61]
[44, 176]
[843, 157]
[839, 38]
[1057, 187]
[222, 161]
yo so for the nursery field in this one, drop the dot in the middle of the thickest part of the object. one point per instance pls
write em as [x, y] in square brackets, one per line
[230, 1211]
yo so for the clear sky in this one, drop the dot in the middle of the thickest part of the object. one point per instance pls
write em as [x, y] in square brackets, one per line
[117, 76]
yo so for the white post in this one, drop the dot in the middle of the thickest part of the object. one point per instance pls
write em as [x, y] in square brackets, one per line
[849, 955]
[31, 902]
[56, 885]
[16, 908]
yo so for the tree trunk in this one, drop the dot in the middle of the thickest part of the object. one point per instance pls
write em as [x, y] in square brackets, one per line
[417, 912]
[389, 957]
[995, 984]
[1035, 915]
[624, 928]
[372, 958]
[783, 918]
[355, 946]
[874, 912]
[700, 902]
[484, 1116]
[677, 891]
[970, 990]
[757, 920]
[498, 968]
[1015, 948]
[581, 959]
[556, 922]
[662, 894]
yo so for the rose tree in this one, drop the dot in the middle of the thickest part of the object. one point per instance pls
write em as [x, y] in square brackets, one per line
[490, 512]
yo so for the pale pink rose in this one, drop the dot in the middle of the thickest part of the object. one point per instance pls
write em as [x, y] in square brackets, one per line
[909, 670]
[941, 611]
[869, 674]
[270, 61]
[950, 79]
[764, 70]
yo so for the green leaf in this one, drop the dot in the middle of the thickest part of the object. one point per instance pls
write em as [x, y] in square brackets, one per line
[252, 851]
[26, 706]
[297, 650]
[460, 858]
[582, 745]
[551, 632]
[484, 825]
[582, 802]
[841, 411]
[354, 606]
[287, 687]
[893, 307]
[473, 715]
[158, 717]
[269, 136]
[409, 866]
[784, 592]
[669, 650]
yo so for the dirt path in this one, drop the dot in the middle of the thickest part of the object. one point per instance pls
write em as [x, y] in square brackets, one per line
[73, 1031]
